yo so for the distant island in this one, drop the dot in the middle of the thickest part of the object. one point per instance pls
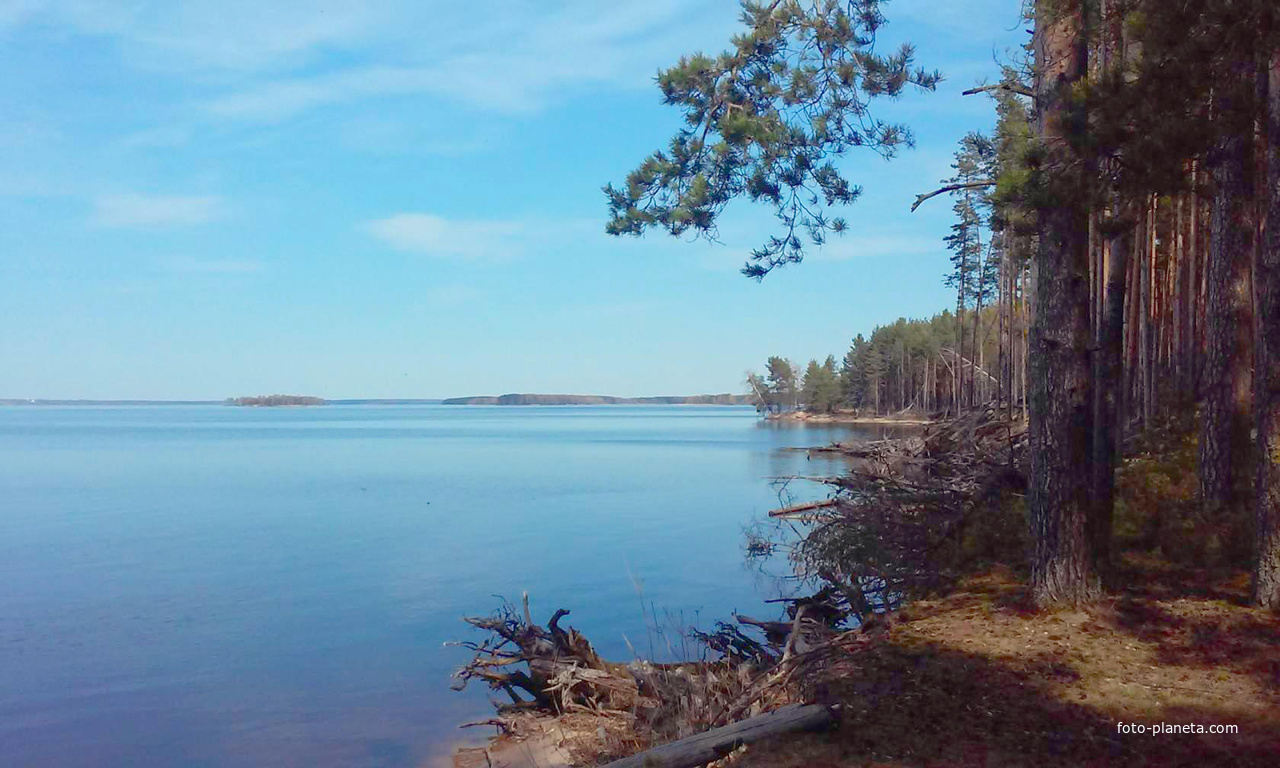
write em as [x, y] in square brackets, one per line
[524, 399]
[275, 400]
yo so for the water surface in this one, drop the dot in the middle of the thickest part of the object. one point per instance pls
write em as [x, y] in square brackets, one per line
[217, 586]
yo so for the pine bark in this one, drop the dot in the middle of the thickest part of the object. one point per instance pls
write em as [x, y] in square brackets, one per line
[1225, 452]
[1194, 328]
[1108, 369]
[1144, 346]
[1180, 326]
[1063, 566]
[1266, 571]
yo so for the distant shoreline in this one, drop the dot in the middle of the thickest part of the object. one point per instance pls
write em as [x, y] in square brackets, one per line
[516, 400]
[537, 399]
[849, 418]
[370, 401]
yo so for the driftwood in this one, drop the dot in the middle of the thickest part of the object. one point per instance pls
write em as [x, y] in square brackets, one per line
[554, 676]
[562, 671]
[799, 510]
[899, 519]
[718, 742]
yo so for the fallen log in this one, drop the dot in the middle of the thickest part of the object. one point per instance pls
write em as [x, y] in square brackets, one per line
[800, 509]
[832, 448]
[718, 742]
[824, 479]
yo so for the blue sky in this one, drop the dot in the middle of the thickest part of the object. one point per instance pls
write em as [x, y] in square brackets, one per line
[402, 199]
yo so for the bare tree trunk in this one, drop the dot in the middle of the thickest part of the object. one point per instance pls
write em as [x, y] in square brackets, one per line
[1203, 316]
[1153, 320]
[1179, 299]
[1130, 369]
[974, 351]
[964, 276]
[1108, 378]
[1144, 274]
[1063, 567]
[1225, 449]
[1266, 567]
[1192, 350]
[1025, 333]
[1002, 388]
[902, 379]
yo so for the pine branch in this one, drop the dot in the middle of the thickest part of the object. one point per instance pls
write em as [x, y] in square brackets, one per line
[1001, 87]
[951, 188]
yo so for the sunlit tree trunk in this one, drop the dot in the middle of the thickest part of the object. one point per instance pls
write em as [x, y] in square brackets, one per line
[1063, 567]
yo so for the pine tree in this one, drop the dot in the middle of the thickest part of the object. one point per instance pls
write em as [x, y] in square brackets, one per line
[827, 391]
[1266, 568]
[809, 390]
[853, 373]
[766, 120]
[782, 382]
[1061, 403]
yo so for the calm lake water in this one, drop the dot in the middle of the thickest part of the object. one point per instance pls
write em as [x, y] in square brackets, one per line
[215, 586]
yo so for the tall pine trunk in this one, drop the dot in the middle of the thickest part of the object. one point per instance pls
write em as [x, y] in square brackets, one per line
[1266, 570]
[1225, 449]
[1144, 346]
[1108, 380]
[1063, 566]
[1192, 351]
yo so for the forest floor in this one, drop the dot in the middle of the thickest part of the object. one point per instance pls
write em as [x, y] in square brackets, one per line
[976, 678]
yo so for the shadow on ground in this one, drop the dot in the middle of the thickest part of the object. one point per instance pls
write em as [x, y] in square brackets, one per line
[978, 679]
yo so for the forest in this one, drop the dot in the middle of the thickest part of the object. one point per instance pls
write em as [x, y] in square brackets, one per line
[909, 365]
[1112, 260]
[264, 401]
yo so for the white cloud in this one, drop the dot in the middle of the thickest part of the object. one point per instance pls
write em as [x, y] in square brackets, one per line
[154, 211]
[431, 235]
[512, 60]
[207, 36]
[251, 60]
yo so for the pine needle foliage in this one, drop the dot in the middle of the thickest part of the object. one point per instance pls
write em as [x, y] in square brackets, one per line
[767, 120]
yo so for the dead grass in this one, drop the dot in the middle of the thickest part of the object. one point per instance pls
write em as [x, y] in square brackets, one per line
[976, 678]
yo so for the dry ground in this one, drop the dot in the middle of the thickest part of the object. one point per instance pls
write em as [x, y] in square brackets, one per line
[976, 678]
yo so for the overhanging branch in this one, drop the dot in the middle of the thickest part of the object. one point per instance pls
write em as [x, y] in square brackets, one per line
[1001, 87]
[951, 188]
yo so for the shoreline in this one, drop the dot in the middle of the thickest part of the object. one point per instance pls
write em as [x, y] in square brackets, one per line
[804, 417]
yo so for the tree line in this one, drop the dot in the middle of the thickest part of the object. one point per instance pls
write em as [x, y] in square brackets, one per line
[908, 366]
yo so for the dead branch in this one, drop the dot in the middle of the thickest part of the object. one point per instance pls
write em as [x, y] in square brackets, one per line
[796, 510]
[1001, 87]
[950, 188]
